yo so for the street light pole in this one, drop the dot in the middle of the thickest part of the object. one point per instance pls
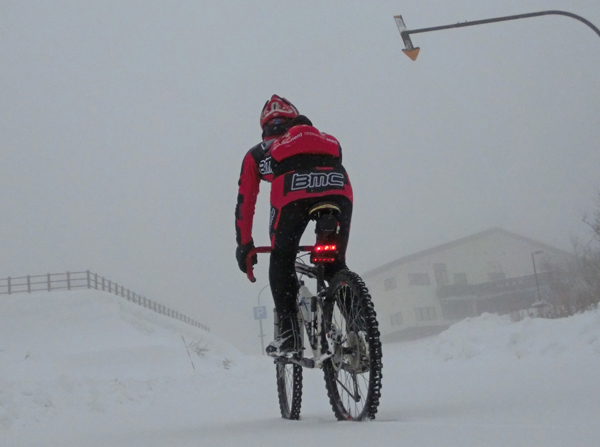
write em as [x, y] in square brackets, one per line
[412, 52]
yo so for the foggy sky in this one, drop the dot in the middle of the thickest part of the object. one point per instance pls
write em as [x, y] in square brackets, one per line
[123, 126]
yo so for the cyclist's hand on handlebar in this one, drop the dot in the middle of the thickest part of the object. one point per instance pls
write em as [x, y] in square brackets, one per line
[242, 253]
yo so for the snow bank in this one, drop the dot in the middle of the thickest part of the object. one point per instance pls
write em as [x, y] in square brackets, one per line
[86, 351]
[492, 335]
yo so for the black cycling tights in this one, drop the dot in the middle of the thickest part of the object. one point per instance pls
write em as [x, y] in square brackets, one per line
[293, 219]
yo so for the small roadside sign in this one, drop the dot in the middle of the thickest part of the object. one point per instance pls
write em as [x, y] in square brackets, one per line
[260, 312]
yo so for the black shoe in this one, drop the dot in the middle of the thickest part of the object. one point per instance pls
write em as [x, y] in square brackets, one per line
[289, 342]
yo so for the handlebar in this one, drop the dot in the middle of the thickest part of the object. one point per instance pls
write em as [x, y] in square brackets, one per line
[255, 250]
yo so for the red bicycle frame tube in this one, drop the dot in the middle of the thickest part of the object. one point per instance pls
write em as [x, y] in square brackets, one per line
[255, 250]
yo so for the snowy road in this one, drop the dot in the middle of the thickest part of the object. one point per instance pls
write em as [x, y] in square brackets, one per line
[90, 369]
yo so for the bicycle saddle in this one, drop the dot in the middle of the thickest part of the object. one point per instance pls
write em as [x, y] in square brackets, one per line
[324, 213]
[322, 208]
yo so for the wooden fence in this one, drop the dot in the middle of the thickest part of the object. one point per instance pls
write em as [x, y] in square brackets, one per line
[87, 280]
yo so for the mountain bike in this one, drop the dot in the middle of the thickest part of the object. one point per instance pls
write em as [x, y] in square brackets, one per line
[340, 329]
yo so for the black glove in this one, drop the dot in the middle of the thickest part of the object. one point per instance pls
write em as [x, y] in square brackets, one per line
[241, 253]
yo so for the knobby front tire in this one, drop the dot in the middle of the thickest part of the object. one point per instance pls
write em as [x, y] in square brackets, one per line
[289, 389]
[353, 374]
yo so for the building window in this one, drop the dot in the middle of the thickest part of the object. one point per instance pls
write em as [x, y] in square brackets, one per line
[389, 284]
[460, 279]
[441, 274]
[425, 313]
[396, 319]
[418, 279]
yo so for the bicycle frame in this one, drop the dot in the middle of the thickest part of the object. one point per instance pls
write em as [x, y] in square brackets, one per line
[310, 313]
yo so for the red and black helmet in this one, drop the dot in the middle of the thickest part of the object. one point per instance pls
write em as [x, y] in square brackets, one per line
[277, 107]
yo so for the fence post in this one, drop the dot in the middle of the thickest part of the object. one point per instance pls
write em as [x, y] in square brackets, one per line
[109, 286]
[68, 281]
[8, 280]
[49, 283]
[103, 283]
[28, 284]
[88, 279]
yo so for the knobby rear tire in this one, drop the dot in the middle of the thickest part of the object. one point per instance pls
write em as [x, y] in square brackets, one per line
[353, 374]
[289, 390]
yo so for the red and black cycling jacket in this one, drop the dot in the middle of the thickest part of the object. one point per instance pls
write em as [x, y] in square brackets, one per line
[303, 163]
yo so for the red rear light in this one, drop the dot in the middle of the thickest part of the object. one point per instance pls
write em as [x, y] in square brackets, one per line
[324, 248]
[324, 253]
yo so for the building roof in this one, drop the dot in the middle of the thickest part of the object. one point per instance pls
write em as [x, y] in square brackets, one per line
[458, 242]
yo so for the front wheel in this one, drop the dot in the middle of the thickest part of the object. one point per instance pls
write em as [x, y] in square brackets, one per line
[289, 389]
[350, 328]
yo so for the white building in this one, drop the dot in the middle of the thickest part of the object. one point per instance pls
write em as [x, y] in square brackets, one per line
[491, 271]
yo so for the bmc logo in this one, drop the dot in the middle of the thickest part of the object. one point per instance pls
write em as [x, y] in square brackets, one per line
[317, 180]
[264, 167]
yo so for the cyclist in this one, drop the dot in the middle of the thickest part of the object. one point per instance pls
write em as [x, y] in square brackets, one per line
[304, 167]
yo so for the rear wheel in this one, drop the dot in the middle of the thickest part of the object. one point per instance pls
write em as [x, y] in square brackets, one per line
[289, 389]
[353, 373]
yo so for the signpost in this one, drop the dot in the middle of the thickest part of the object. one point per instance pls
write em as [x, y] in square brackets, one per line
[260, 314]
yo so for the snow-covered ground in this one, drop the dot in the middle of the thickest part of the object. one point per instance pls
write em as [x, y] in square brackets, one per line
[91, 369]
